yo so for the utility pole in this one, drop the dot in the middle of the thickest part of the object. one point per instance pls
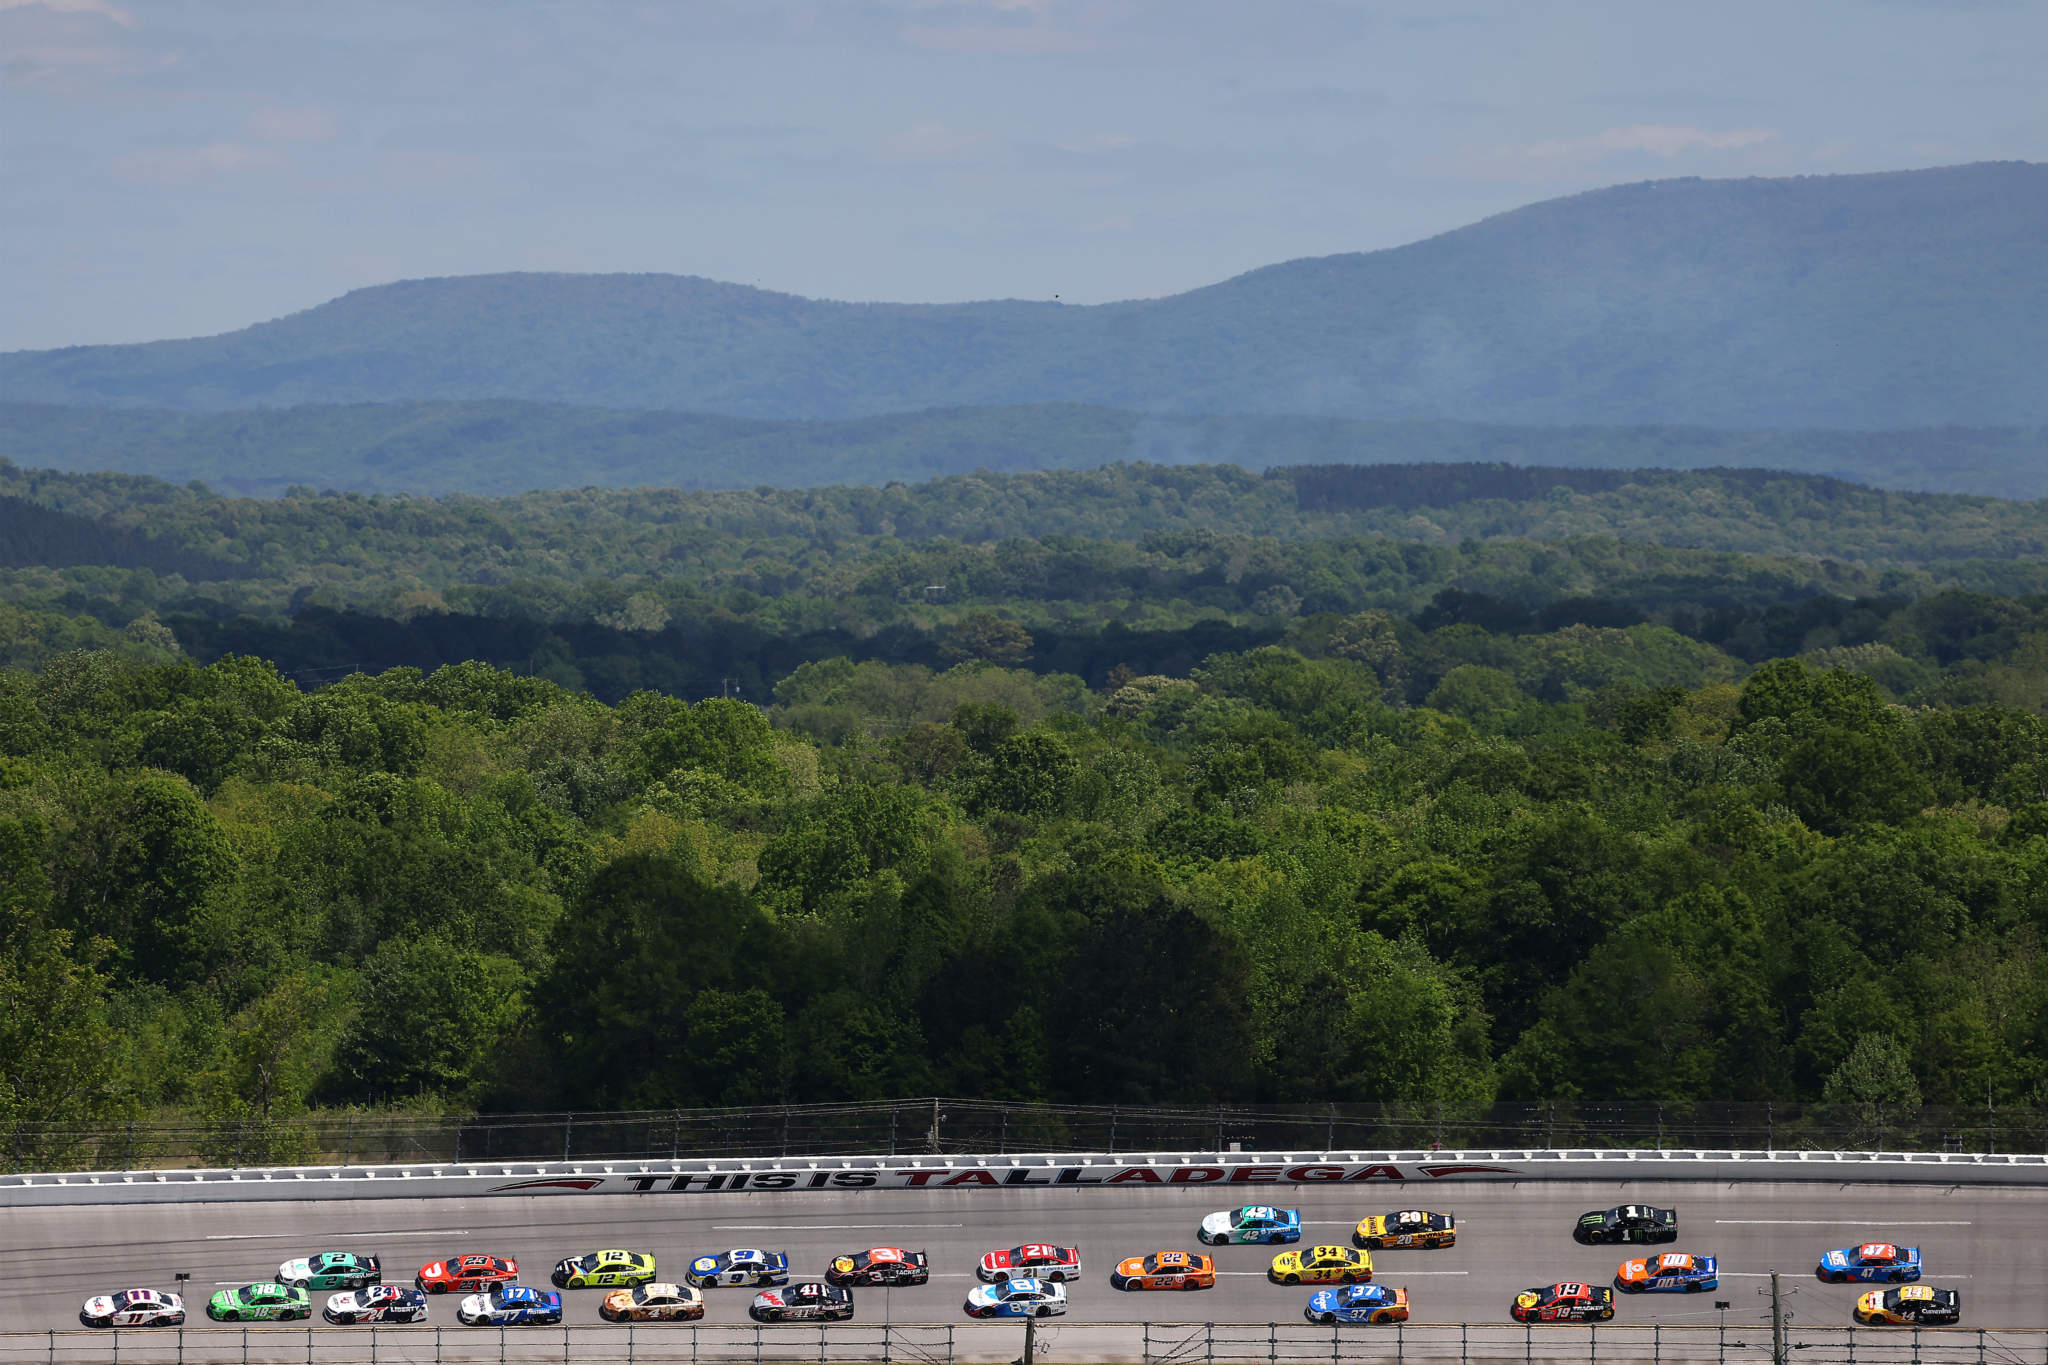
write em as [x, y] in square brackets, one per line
[1030, 1340]
[1779, 1355]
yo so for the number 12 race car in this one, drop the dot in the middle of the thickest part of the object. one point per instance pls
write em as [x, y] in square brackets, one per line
[1564, 1303]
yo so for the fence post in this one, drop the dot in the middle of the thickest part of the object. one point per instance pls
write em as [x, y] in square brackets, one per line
[239, 1123]
[348, 1147]
[757, 1344]
[245, 1346]
[501, 1346]
[309, 1344]
[373, 1344]
[1272, 1341]
[1334, 1340]
[885, 1326]
[568, 1123]
[437, 1346]
[1657, 1342]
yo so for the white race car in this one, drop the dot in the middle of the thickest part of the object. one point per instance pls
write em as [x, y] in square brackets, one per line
[377, 1303]
[134, 1308]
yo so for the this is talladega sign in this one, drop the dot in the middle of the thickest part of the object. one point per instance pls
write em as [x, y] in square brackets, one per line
[982, 1177]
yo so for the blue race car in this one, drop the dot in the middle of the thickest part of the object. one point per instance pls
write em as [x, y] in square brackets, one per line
[1675, 1272]
[1871, 1261]
[1022, 1298]
[1252, 1223]
[743, 1266]
[510, 1305]
[1369, 1303]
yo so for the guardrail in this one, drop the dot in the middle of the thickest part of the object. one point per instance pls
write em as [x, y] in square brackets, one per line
[1243, 1172]
[1056, 1342]
[938, 1125]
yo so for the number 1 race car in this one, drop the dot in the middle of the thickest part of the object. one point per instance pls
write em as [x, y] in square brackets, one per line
[378, 1303]
[510, 1305]
[1321, 1265]
[743, 1266]
[1564, 1303]
[1412, 1228]
[601, 1269]
[1164, 1270]
[1368, 1303]
[1252, 1223]
[1675, 1272]
[260, 1303]
[1019, 1298]
[1914, 1305]
[1629, 1223]
[808, 1302]
[1871, 1261]
[653, 1303]
[1033, 1260]
[331, 1270]
[134, 1308]
[879, 1265]
[459, 1274]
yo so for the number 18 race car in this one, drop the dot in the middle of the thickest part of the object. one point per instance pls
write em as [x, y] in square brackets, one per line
[1914, 1305]
[378, 1303]
[133, 1308]
[1564, 1303]
[808, 1302]
[1675, 1272]
[1411, 1228]
[260, 1303]
[879, 1265]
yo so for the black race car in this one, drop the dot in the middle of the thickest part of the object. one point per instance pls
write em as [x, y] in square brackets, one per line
[1629, 1223]
[880, 1265]
[808, 1302]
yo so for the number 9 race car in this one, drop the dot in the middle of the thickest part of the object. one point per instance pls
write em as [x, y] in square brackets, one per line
[743, 1266]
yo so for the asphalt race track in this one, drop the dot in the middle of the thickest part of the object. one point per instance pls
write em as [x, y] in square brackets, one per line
[1981, 1240]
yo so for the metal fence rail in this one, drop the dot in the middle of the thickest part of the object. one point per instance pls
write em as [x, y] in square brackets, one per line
[953, 1126]
[1057, 1342]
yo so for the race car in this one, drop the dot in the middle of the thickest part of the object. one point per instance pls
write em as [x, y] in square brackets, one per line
[1409, 1228]
[260, 1303]
[1564, 1303]
[603, 1269]
[1321, 1265]
[376, 1303]
[331, 1270]
[744, 1266]
[1252, 1223]
[134, 1308]
[1629, 1223]
[1914, 1305]
[879, 1265]
[1871, 1261]
[1018, 1298]
[1675, 1272]
[1370, 1303]
[510, 1305]
[1164, 1270]
[806, 1302]
[1033, 1260]
[465, 1273]
[653, 1303]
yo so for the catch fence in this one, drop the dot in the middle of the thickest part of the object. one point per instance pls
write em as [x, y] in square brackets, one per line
[940, 1126]
[1057, 1343]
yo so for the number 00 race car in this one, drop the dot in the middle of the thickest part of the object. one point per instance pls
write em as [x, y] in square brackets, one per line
[1675, 1272]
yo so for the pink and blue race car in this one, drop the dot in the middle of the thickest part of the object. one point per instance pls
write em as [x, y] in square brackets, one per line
[1883, 1261]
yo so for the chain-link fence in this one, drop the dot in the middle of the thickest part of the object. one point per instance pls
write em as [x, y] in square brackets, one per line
[941, 1126]
[1055, 1343]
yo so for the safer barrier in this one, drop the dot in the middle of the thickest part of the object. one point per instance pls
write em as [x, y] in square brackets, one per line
[1056, 1344]
[1244, 1171]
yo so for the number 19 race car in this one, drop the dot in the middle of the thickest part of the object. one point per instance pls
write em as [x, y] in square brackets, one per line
[1564, 1303]
[378, 1303]
[1675, 1272]
[879, 1265]
[1411, 1228]
[1913, 1305]
[808, 1302]
[1368, 1303]
[133, 1308]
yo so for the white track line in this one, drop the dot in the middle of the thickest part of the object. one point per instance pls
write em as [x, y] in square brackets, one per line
[1804, 1274]
[829, 1227]
[332, 1236]
[1836, 1223]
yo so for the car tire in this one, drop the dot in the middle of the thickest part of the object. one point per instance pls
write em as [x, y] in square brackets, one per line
[1290, 1279]
[1606, 1314]
[1042, 1311]
[231, 1316]
[1327, 1319]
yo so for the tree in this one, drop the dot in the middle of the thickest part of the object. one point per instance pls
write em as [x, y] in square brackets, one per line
[1873, 1086]
[1843, 778]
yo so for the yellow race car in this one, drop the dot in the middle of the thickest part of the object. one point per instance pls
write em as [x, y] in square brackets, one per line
[1409, 1228]
[1909, 1305]
[1321, 1265]
[603, 1269]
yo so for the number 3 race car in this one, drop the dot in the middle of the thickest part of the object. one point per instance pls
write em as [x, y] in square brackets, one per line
[378, 1303]
[1413, 1228]
[1914, 1305]
[879, 1265]
[1675, 1272]
[133, 1308]
[1871, 1261]
[1564, 1303]
[1034, 1260]
[1368, 1303]
[1252, 1223]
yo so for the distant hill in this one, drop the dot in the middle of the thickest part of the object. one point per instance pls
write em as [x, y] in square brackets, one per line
[1909, 299]
[32, 534]
[502, 447]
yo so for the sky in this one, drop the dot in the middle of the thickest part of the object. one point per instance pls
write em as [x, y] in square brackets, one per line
[185, 167]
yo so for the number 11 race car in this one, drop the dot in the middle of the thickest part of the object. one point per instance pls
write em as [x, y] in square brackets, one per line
[133, 1308]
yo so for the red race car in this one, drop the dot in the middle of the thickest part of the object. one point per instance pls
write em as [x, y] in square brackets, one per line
[465, 1274]
[1034, 1261]
[880, 1265]
[1564, 1303]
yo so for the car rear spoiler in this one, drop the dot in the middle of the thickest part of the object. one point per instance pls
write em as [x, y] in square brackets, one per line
[372, 1264]
[918, 1258]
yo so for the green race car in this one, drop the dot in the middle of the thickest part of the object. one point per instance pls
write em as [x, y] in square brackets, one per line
[605, 1268]
[331, 1270]
[260, 1303]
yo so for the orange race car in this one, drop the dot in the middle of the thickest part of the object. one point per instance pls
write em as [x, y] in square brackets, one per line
[1165, 1270]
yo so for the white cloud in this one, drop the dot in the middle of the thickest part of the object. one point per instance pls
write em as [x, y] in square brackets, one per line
[100, 7]
[194, 165]
[302, 123]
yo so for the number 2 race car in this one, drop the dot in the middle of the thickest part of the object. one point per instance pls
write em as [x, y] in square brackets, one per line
[1564, 1303]
[331, 1270]
[1675, 1272]
[1410, 1228]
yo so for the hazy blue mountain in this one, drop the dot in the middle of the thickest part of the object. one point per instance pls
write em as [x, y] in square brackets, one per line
[501, 447]
[1873, 301]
